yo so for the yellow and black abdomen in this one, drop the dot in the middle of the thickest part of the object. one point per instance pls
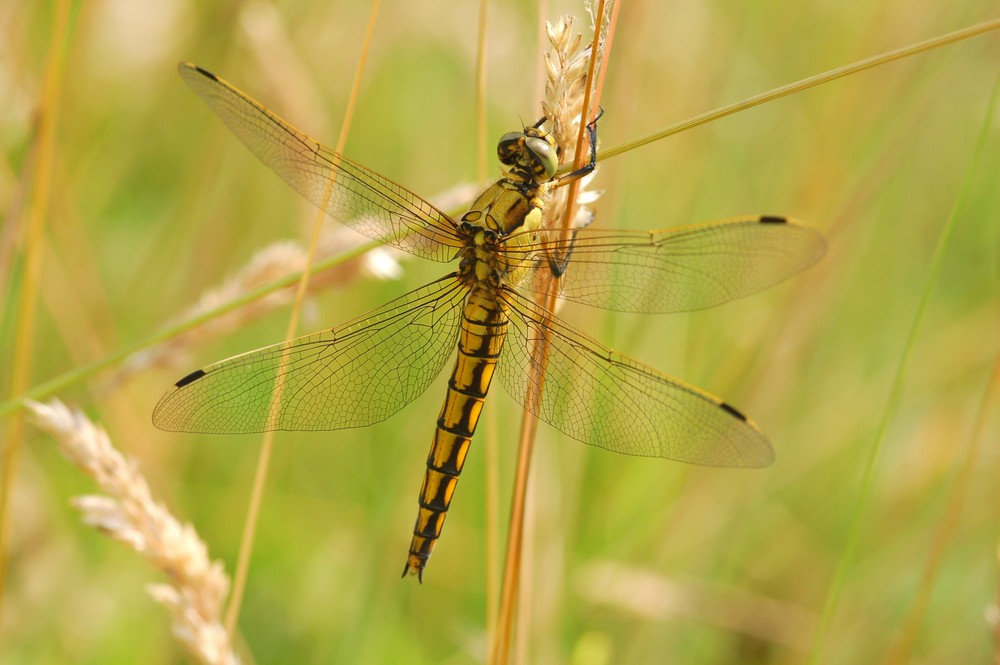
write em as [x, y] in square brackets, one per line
[484, 327]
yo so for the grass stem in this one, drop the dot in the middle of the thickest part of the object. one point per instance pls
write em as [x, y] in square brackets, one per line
[863, 500]
[264, 457]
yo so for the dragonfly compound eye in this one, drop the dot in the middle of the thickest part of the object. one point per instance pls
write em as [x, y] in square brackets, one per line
[544, 153]
[508, 148]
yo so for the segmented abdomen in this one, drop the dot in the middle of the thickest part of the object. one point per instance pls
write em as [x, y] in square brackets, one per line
[484, 327]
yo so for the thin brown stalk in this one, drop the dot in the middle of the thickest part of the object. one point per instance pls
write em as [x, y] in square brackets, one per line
[264, 457]
[529, 424]
[481, 150]
[608, 39]
[34, 243]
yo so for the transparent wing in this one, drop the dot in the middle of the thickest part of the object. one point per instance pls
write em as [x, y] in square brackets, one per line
[348, 192]
[605, 399]
[674, 270]
[351, 376]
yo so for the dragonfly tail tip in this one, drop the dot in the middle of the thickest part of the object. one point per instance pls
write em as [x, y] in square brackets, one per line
[411, 568]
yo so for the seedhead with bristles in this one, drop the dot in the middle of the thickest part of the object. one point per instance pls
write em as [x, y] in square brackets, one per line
[567, 62]
[198, 586]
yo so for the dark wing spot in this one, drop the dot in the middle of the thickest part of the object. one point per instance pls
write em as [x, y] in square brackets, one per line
[732, 411]
[206, 73]
[190, 378]
[771, 219]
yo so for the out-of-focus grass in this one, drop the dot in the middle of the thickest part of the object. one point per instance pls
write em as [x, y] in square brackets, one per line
[153, 202]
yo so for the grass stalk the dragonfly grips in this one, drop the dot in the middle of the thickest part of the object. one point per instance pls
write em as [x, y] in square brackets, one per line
[864, 498]
[500, 654]
[267, 442]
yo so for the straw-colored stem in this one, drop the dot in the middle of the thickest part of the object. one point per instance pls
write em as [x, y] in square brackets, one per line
[529, 424]
[34, 243]
[580, 155]
[264, 457]
[481, 148]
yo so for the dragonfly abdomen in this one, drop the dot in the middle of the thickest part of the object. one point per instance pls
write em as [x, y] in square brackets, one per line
[484, 327]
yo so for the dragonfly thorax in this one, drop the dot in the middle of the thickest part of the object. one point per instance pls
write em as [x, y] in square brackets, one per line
[507, 207]
[479, 260]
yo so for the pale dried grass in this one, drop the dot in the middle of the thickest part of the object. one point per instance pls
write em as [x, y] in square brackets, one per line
[274, 262]
[566, 64]
[198, 586]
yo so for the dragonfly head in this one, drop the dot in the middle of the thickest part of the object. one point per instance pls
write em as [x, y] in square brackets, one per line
[529, 154]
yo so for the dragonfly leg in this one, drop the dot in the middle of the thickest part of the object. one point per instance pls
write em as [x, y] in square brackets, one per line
[592, 164]
[558, 266]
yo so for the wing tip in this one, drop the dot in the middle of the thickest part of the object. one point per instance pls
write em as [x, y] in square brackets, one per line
[159, 421]
[758, 456]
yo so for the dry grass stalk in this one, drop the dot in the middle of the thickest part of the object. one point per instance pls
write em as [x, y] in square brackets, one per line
[271, 263]
[198, 586]
[568, 71]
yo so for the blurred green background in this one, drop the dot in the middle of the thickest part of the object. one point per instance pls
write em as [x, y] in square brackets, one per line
[629, 560]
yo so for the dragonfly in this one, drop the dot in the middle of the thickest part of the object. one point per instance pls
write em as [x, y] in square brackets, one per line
[487, 315]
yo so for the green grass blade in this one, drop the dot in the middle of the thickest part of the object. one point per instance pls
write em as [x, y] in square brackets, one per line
[863, 502]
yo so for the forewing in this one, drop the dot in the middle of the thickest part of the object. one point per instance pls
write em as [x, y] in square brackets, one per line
[675, 270]
[605, 399]
[348, 192]
[351, 376]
